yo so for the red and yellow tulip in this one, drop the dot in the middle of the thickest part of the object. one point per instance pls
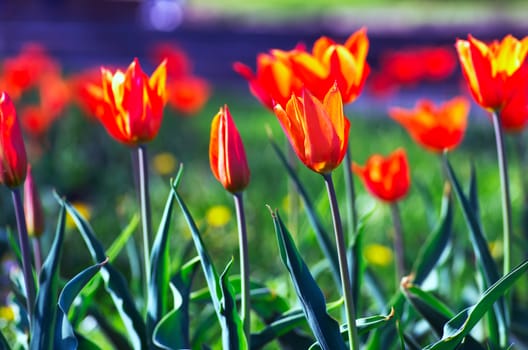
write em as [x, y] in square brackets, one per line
[437, 128]
[227, 156]
[318, 131]
[386, 178]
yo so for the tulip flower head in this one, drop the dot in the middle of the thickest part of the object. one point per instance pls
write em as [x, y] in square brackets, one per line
[33, 207]
[227, 156]
[274, 81]
[13, 159]
[135, 103]
[386, 178]
[318, 131]
[437, 128]
[330, 62]
[495, 71]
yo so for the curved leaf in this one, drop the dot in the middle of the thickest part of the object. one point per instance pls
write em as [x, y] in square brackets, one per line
[230, 341]
[65, 337]
[115, 283]
[43, 327]
[324, 327]
[460, 325]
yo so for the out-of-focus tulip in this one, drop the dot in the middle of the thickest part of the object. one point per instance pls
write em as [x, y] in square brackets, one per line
[330, 62]
[436, 128]
[33, 207]
[274, 80]
[496, 71]
[227, 156]
[188, 94]
[387, 178]
[13, 159]
[178, 63]
[135, 103]
[318, 132]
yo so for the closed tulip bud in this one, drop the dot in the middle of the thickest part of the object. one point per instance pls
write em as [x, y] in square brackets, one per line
[33, 207]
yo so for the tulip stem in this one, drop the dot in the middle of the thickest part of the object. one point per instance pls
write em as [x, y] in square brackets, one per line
[144, 205]
[343, 265]
[350, 196]
[25, 250]
[245, 288]
[505, 192]
[398, 242]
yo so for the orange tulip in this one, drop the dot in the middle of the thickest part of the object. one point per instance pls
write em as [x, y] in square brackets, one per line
[386, 178]
[13, 159]
[135, 103]
[330, 62]
[495, 71]
[33, 207]
[318, 132]
[227, 156]
[188, 94]
[274, 81]
[435, 128]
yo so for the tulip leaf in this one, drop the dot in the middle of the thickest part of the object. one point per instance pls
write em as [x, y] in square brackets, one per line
[4, 345]
[43, 327]
[119, 243]
[158, 286]
[459, 326]
[436, 243]
[325, 243]
[115, 283]
[433, 310]
[172, 331]
[324, 327]
[231, 338]
[65, 338]
[487, 265]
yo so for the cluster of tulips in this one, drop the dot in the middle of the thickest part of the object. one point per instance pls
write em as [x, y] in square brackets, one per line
[307, 92]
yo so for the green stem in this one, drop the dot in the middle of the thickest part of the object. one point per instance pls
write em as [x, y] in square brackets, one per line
[144, 205]
[505, 192]
[25, 250]
[350, 196]
[293, 196]
[343, 265]
[245, 288]
[37, 254]
[398, 243]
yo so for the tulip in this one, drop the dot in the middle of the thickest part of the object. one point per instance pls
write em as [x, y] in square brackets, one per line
[188, 94]
[13, 159]
[33, 207]
[318, 132]
[387, 178]
[226, 153]
[437, 128]
[274, 80]
[330, 62]
[495, 71]
[135, 103]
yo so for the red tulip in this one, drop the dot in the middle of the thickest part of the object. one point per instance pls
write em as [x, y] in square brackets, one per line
[274, 81]
[435, 128]
[188, 94]
[135, 103]
[496, 71]
[330, 62]
[13, 159]
[386, 178]
[227, 156]
[318, 132]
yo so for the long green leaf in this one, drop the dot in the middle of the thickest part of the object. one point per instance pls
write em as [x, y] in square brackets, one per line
[120, 242]
[486, 263]
[65, 337]
[172, 331]
[158, 285]
[460, 325]
[229, 340]
[324, 327]
[43, 327]
[325, 243]
[233, 321]
[115, 283]
[4, 345]
[436, 243]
